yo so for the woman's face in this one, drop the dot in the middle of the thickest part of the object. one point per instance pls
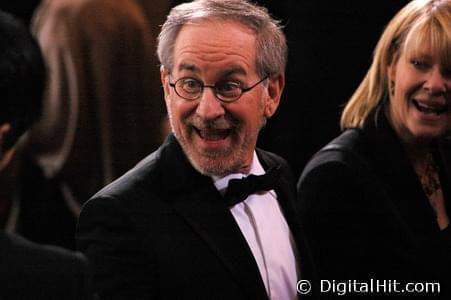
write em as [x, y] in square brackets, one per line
[420, 102]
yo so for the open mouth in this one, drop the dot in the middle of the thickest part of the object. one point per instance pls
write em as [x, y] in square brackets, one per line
[213, 134]
[428, 109]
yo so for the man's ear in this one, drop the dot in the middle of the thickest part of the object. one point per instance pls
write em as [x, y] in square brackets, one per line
[5, 154]
[164, 76]
[275, 88]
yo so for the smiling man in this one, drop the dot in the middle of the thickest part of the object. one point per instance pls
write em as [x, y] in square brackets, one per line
[207, 215]
[217, 132]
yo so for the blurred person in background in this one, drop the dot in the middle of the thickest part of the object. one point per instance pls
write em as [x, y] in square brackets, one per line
[102, 112]
[28, 270]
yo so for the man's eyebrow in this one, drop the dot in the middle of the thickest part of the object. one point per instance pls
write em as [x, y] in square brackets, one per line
[234, 70]
[189, 67]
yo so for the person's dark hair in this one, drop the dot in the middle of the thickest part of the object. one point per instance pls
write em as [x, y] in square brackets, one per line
[22, 78]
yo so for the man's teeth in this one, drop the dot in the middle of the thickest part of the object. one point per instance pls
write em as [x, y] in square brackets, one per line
[213, 134]
[429, 109]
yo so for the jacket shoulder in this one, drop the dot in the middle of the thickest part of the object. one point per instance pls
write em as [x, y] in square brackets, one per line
[40, 271]
[270, 159]
[144, 174]
[346, 152]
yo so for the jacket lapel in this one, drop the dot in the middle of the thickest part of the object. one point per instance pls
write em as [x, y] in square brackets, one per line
[286, 195]
[198, 202]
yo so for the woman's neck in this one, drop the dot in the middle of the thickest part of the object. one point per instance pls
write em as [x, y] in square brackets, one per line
[419, 154]
[418, 149]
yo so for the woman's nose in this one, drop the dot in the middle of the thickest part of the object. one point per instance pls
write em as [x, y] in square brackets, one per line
[436, 82]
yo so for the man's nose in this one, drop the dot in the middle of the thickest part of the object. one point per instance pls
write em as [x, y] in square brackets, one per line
[209, 107]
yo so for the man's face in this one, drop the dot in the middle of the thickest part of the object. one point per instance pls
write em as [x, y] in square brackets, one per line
[219, 138]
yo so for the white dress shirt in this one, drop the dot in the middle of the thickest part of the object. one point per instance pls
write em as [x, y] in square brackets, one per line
[267, 233]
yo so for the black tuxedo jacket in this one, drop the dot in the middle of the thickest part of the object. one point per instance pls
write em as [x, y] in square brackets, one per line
[365, 213]
[32, 271]
[163, 230]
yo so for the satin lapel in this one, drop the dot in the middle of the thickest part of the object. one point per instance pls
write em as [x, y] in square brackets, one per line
[196, 199]
[286, 195]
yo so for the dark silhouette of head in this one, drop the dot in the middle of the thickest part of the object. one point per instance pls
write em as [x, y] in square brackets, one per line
[22, 80]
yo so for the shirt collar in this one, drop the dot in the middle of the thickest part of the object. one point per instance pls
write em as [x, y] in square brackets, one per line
[221, 183]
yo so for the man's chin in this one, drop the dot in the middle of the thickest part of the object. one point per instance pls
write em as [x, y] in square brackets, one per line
[213, 163]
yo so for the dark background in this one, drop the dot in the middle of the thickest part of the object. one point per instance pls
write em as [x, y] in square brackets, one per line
[330, 50]
[330, 47]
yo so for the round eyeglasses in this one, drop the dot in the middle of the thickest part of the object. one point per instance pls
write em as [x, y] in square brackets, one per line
[226, 91]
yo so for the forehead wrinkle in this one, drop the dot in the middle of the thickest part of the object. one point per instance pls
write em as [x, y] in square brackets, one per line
[212, 52]
[226, 72]
[213, 55]
[192, 48]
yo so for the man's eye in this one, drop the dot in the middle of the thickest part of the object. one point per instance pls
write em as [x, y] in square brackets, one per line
[228, 87]
[190, 85]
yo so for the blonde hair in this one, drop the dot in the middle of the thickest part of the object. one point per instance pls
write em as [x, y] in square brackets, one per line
[420, 22]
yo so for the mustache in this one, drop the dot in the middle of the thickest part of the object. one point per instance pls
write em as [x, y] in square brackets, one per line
[218, 123]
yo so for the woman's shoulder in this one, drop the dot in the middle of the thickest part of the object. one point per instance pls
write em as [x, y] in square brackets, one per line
[346, 150]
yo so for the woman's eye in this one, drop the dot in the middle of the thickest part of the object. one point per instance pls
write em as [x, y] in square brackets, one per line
[420, 64]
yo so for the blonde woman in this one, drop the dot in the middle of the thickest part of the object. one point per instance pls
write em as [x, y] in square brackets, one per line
[376, 201]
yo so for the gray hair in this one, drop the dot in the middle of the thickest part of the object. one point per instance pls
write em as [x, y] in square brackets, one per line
[271, 47]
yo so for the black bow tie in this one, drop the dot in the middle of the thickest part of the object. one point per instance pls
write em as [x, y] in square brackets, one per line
[240, 189]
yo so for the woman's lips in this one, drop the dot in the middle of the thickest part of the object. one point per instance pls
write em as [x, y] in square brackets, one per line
[436, 109]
